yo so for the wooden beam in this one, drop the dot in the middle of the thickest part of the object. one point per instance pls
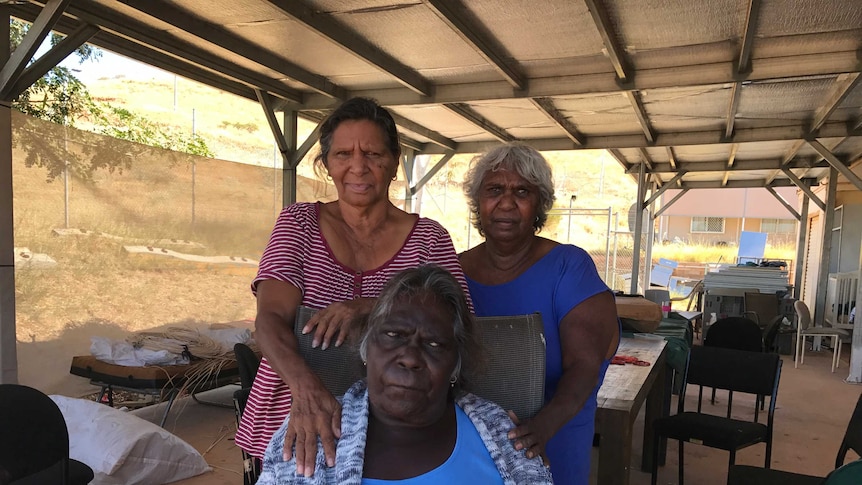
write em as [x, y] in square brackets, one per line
[615, 52]
[452, 13]
[744, 59]
[469, 114]
[844, 85]
[432, 135]
[803, 187]
[347, 39]
[732, 107]
[783, 202]
[638, 107]
[546, 106]
[836, 163]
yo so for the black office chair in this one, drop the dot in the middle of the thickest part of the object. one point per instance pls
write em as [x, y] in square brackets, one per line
[34, 441]
[752, 475]
[247, 363]
[742, 371]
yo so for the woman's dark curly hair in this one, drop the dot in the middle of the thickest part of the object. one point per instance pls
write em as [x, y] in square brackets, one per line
[357, 109]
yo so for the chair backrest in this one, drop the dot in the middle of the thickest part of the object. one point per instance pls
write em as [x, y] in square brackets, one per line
[765, 306]
[514, 377]
[34, 435]
[853, 435]
[734, 370]
[734, 333]
[803, 314]
[247, 363]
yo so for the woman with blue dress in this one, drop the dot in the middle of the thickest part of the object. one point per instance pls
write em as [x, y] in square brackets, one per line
[510, 190]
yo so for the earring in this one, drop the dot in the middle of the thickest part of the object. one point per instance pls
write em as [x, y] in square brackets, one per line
[452, 381]
[537, 219]
[364, 364]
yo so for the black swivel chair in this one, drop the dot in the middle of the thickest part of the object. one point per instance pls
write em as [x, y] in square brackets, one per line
[34, 441]
[751, 475]
[754, 373]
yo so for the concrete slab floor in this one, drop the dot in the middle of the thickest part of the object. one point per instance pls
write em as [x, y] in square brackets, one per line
[812, 411]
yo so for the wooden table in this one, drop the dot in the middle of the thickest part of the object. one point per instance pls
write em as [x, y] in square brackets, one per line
[623, 391]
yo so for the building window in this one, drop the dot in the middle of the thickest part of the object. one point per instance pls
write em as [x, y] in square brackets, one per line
[778, 226]
[707, 224]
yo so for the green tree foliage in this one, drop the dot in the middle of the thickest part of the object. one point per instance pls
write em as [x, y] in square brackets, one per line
[61, 98]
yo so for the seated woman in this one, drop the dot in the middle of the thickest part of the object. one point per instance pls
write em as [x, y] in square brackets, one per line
[409, 420]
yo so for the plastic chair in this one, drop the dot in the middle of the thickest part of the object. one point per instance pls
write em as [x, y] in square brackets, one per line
[34, 448]
[804, 329]
[751, 475]
[741, 371]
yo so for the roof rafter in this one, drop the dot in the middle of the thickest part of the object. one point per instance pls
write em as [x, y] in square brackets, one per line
[645, 158]
[564, 83]
[740, 184]
[744, 59]
[546, 106]
[54, 56]
[671, 157]
[41, 27]
[732, 107]
[615, 53]
[678, 139]
[225, 39]
[451, 12]
[137, 33]
[638, 107]
[339, 34]
[719, 166]
[844, 84]
[432, 135]
[472, 116]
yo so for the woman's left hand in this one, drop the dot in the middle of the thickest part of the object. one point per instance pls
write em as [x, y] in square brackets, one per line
[531, 436]
[334, 321]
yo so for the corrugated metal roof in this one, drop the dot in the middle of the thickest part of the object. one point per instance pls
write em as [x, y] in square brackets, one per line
[729, 91]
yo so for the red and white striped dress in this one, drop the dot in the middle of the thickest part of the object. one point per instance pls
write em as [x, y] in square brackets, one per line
[298, 254]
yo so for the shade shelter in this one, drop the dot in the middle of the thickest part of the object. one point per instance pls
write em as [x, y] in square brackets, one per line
[684, 95]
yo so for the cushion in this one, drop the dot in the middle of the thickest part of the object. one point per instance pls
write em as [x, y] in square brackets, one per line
[122, 448]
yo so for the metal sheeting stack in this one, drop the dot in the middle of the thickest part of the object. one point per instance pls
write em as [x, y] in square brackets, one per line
[767, 280]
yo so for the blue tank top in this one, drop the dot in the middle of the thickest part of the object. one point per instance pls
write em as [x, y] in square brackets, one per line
[469, 464]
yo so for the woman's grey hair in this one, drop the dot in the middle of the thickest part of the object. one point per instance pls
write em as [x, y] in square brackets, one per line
[357, 109]
[438, 281]
[516, 157]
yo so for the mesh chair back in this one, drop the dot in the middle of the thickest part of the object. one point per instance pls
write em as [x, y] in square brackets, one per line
[514, 376]
[336, 367]
[513, 383]
[735, 333]
[734, 370]
[853, 436]
[247, 363]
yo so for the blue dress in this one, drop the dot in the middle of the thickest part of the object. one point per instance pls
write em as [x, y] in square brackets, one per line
[554, 285]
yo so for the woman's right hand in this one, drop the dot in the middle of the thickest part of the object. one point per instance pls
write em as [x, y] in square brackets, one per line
[334, 321]
[314, 413]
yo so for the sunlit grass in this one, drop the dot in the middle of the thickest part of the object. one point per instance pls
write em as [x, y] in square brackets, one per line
[708, 253]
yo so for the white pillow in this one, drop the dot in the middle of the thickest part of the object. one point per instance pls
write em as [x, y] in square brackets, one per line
[123, 449]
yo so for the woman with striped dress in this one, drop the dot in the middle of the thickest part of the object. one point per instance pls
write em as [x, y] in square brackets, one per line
[335, 257]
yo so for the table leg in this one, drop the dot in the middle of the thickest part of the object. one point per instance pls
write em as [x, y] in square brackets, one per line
[657, 405]
[615, 447]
